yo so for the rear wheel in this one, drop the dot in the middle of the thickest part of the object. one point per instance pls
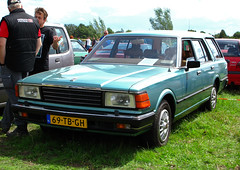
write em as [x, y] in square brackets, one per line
[159, 134]
[212, 102]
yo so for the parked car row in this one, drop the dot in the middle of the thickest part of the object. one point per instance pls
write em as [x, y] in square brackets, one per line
[129, 84]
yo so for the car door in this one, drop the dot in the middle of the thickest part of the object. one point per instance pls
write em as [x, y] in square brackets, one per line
[207, 65]
[194, 77]
[63, 56]
[220, 67]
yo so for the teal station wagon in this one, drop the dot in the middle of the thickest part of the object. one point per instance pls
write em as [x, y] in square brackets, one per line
[130, 84]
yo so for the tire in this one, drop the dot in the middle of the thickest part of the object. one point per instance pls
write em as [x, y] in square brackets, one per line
[159, 134]
[212, 102]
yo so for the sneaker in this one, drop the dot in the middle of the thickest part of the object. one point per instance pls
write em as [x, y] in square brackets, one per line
[18, 132]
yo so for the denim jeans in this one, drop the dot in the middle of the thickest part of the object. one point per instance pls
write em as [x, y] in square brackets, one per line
[9, 79]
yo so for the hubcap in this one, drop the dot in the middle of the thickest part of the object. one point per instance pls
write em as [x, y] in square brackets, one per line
[164, 125]
[214, 98]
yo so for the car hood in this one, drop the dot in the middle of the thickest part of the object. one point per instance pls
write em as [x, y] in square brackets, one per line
[117, 77]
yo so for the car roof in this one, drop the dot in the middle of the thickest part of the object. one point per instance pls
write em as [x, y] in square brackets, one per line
[53, 25]
[227, 39]
[165, 33]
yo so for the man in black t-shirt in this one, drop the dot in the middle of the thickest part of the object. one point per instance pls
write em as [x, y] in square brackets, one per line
[48, 38]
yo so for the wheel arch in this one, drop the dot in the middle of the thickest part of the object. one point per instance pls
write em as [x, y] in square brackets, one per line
[216, 83]
[169, 96]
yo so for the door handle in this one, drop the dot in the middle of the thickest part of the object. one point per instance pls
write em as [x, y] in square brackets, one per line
[199, 72]
[57, 60]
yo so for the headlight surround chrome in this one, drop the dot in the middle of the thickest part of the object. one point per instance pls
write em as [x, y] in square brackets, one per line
[28, 91]
[123, 100]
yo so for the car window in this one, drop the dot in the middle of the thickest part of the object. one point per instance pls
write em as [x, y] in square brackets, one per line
[135, 50]
[63, 43]
[229, 47]
[77, 47]
[187, 52]
[214, 49]
[199, 51]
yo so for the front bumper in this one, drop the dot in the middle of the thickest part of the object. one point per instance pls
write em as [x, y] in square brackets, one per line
[97, 122]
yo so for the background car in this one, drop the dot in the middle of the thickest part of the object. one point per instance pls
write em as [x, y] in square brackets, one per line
[141, 84]
[231, 51]
[79, 51]
[61, 57]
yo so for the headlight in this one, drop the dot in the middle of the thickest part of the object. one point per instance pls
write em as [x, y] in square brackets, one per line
[32, 92]
[119, 100]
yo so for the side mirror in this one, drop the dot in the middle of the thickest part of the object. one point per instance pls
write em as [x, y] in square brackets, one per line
[192, 64]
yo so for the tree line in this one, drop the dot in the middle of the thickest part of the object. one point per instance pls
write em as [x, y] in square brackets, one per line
[95, 29]
[161, 21]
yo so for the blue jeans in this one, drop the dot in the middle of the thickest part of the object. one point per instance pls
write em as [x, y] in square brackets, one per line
[9, 79]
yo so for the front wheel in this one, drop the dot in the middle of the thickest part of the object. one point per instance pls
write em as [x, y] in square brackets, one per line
[212, 102]
[159, 134]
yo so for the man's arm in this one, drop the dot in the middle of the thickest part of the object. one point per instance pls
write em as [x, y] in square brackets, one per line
[56, 39]
[2, 49]
[39, 44]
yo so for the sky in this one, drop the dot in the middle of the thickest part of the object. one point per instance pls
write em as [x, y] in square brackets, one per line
[210, 16]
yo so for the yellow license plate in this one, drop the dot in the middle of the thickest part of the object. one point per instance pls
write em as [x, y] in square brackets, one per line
[67, 121]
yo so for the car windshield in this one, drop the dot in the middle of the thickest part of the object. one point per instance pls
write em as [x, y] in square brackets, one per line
[137, 50]
[229, 48]
[77, 47]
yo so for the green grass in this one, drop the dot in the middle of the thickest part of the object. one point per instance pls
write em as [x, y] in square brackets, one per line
[201, 140]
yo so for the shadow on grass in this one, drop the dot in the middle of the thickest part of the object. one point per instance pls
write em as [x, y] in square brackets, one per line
[60, 148]
[71, 148]
[232, 90]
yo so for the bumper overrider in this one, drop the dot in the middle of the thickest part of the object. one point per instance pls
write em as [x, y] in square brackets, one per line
[83, 120]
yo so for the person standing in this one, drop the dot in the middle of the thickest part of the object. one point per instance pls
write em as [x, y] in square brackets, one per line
[105, 33]
[48, 37]
[88, 43]
[19, 43]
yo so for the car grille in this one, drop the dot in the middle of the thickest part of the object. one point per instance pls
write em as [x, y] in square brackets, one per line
[68, 96]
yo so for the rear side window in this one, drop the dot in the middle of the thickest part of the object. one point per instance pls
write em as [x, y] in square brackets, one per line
[63, 43]
[229, 47]
[199, 51]
[213, 47]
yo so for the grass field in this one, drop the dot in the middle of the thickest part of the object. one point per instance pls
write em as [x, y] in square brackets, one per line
[201, 140]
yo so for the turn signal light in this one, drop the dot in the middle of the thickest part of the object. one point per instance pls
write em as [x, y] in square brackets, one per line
[23, 114]
[16, 91]
[123, 126]
[142, 101]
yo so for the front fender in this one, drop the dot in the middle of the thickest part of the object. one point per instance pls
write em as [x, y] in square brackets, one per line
[169, 96]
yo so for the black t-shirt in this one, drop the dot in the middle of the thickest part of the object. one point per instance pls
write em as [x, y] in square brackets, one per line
[42, 59]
